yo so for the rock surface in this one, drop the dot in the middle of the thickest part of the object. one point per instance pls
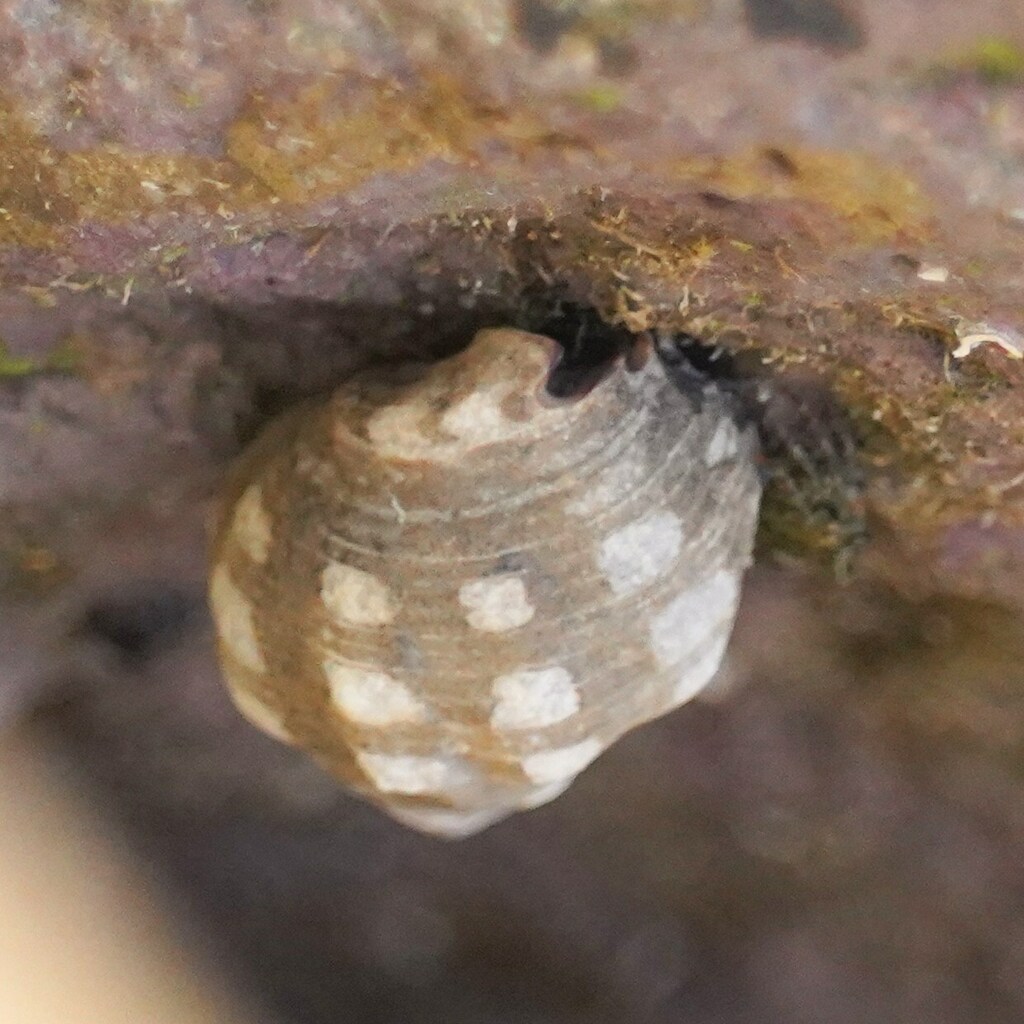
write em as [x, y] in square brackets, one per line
[212, 208]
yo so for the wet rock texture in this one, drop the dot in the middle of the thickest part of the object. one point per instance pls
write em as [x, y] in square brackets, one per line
[211, 208]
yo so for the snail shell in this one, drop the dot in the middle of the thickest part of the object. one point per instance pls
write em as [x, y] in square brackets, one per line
[455, 589]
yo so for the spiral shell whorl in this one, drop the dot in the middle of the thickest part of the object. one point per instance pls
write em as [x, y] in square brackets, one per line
[457, 590]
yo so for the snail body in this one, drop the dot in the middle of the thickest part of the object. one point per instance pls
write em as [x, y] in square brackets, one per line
[454, 588]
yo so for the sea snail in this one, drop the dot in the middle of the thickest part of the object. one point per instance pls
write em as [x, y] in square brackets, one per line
[454, 586]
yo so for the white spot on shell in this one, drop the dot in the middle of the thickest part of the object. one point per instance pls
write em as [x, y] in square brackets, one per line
[696, 676]
[545, 794]
[266, 719]
[640, 552]
[251, 525]
[411, 431]
[614, 484]
[724, 443]
[549, 766]
[394, 430]
[496, 604]
[683, 626]
[447, 822]
[233, 615]
[354, 597]
[412, 775]
[478, 418]
[533, 698]
[368, 697]
[461, 404]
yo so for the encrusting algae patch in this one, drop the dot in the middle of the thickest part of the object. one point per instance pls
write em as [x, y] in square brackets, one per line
[743, 282]
[324, 140]
[334, 135]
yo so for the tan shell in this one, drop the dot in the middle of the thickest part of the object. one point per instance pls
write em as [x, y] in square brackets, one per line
[457, 590]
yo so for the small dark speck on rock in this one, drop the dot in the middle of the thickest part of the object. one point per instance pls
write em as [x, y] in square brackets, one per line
[142, 622]
[542, 24]
[828, 23]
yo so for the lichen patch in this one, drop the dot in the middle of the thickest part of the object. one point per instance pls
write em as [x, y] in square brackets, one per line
[233, 615]
[548, 766]
[496, 604]
[533, 698]
[640, 552]
[368, 697]
[353, 597]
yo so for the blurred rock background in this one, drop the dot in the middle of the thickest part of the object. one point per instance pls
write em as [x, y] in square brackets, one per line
[88, 934]
[212, 208]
